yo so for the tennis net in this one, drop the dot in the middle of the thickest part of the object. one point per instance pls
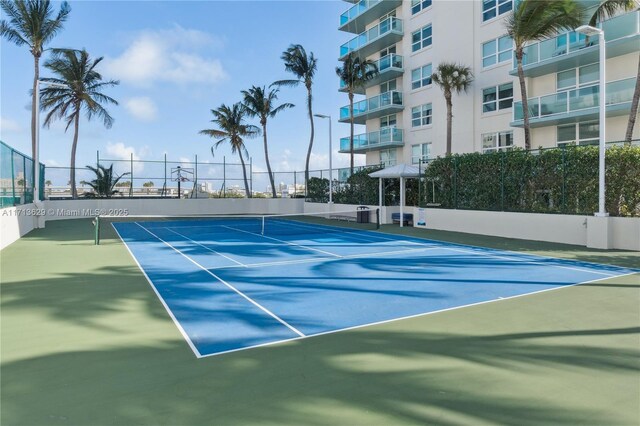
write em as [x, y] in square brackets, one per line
[267, 225]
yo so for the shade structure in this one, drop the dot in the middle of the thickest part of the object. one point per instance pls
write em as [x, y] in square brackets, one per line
[401, 171]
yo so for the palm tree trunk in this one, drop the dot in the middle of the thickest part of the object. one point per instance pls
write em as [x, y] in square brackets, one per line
[633, 113]
[36, 77]
[525, 101]
[351, 129]
[266, 159]
[447, 97]
[244, 174]
[74, 146]
[306, 167]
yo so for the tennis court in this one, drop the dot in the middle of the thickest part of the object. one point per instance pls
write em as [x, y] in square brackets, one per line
[233, 283]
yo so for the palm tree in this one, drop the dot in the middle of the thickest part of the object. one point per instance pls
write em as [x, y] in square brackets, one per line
[78, 87]
[534, 20]
[32, 23]
[303, 66]
[451, 77]
[355, 73]
[232, 130]
[258, 102]
[104, 183]
[607, 9]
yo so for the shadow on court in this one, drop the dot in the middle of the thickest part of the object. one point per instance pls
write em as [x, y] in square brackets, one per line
[86, 341]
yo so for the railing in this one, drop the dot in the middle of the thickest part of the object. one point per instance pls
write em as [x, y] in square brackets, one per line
[566, 43]
[372, 104]
[354, 11]
[391, 24]
[391, 61]
[618, 92]
[17, 177]
[373, 139]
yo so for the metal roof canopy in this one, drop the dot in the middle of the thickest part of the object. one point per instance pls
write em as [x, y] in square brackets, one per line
[402, 171]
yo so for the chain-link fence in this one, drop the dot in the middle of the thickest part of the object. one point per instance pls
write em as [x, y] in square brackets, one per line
[17, 177]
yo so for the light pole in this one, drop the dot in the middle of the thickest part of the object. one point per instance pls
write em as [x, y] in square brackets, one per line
[590, 31]
[36, 154]
[330, 158]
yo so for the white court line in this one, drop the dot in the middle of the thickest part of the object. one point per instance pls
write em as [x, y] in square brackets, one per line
[267, 311]
[328, 259]
[531, 262]
[283, 241]
[155, 290]
[355, 327]
[207, 248]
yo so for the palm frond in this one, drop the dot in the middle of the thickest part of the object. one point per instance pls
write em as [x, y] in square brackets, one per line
[609, 8]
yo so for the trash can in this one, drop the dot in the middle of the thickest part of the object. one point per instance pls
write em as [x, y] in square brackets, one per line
[362, 214]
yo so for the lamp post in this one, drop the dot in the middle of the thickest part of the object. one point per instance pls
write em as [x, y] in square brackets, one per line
[590, 31]
[330, 158]
[36, 154]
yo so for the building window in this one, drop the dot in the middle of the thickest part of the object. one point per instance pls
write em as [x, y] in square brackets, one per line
[421, 115]
[418, 5]
[421, 38]
[388, 121]
[388, 51]
[497, 51]
[388, 86]
[578, 134]
[421, 77]
[497, 98]
[388, 157]
[587, 75]
[499, 141]
[420, 152]
[493, 8]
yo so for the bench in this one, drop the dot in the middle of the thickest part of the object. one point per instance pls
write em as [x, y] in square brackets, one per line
[407, 218]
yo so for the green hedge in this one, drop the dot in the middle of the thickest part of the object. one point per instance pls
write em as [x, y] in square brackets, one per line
[561, 180]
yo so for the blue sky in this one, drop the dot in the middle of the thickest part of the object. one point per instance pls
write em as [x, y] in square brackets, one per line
[177, 60]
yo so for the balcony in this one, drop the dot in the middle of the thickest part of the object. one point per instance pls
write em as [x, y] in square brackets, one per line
[384, 34]
[571, 50]
[357, 17]
[384, 138]
[377, 106]
[576, 105]
[389, 67]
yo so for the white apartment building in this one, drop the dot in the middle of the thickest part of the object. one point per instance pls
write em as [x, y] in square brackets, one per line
[405, 113]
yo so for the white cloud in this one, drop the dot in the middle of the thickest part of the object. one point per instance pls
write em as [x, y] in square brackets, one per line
[141, 108]
[52, 163]
[172, 55]
[119, 151]
[10, 126]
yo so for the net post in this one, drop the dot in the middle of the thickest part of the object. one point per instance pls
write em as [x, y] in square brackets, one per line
[262, 227]
[96, 223]
[378, 218]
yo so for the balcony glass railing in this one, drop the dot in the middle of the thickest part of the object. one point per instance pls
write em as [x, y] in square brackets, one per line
[391, 24]
[614, 29]
[367, 106]
[618, 92]
[382, 137]
[388, 62]
[357, 10]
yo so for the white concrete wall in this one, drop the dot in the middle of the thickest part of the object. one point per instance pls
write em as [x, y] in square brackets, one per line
[623, 233]
[16, 222]
[68, 209]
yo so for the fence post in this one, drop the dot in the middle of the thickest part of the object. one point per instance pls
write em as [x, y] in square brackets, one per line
[295, 188]
[250, 177]
[24, 179]
[195, 186]
[224, 177]
[502, 154]
[131, 186]
[564, 173]
[97, 158]
[13, 180]
[164, 186]
[455, 183]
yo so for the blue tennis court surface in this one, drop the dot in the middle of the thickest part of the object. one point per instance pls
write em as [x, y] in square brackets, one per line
[229, 287]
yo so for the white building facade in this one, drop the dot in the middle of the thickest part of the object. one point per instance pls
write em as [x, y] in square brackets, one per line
[405, 113]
